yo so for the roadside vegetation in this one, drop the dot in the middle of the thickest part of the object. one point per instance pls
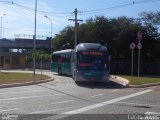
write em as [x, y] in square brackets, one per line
[116, 34]
[141, 80]
[9, 78]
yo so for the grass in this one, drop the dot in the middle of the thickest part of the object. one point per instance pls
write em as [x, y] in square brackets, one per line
[141, 80]
[9, 78]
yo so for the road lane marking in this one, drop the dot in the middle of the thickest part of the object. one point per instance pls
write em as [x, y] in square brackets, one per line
[62, 102]
[28, 97]
[94, 106]
[9, 110]
[139, 104]
[23, 92]
[115, 90]
[97, 95]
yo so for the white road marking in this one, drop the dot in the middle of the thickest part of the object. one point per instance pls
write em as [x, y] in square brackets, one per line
[94, 106]
[9, 110]
[63, 102]
[115, 90]
[23, 92]
[139, 104]
[97, 95]
[28, 97]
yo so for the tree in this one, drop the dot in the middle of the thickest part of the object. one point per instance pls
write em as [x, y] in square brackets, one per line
[152, 21]
[116, 34]
[65, 36]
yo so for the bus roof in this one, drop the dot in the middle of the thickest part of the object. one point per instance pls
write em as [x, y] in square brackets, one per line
[90, 46]
[63, 51]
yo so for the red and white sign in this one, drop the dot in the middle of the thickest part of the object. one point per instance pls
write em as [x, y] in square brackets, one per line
[139, 35]
[132, 45]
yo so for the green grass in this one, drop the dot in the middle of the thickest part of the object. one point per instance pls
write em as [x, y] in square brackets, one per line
[141, 80]
[9, 78]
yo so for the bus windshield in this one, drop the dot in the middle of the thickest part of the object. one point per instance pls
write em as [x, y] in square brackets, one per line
[92, 60]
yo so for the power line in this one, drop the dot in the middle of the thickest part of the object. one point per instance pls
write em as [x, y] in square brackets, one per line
[117, 6]
[39, 11]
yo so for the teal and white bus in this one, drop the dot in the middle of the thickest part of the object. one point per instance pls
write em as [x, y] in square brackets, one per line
[87, 62]
[90, 62]
[61, 62]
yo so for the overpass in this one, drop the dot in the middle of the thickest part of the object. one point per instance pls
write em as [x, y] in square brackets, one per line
[14, 51]
[24, 43]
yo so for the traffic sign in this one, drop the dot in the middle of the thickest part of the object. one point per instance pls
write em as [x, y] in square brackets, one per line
[132, 46]
[139, 35]
[139, 46]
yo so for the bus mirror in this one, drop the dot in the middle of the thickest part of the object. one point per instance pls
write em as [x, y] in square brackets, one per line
[109, 57]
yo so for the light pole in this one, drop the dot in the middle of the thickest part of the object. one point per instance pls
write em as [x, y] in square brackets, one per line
[3, 34]
[51, 31]
[1, 38]
[2, 23]
[34, 41]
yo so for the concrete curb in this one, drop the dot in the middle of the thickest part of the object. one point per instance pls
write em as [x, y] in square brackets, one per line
[25, 83]
[144, 85]
[124, 82]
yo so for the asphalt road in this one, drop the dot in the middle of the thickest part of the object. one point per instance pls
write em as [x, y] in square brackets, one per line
[65, 100]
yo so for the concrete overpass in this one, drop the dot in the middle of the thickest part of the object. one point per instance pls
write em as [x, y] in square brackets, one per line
[9, 58]
[24, 43]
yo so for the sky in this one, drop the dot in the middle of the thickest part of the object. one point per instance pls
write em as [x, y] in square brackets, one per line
[19, 18]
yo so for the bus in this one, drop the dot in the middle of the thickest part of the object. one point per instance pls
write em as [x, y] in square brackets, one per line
[87, 62]
[90, 62]
[61, 62]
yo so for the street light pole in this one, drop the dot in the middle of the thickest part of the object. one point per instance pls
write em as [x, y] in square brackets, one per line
[51, 32]
[34, 41]
[1, 38]
[2, 23]
[3, 27]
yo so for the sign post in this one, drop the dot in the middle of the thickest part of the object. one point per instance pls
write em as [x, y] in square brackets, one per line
[139, 46]
[132, 47]
[139, 56]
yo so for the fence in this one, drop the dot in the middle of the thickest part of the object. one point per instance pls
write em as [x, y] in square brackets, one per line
[119, 66]
[147, 66]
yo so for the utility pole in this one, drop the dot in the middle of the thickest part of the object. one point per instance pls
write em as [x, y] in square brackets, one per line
[34, 40]
[1, 41]
[76, 23]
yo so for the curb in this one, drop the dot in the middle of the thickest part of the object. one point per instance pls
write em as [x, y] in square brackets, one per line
[144, 85]
[122, 81]
[25, 83]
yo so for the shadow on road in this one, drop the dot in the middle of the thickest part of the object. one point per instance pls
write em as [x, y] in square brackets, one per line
[95, 85]
[100, 85]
